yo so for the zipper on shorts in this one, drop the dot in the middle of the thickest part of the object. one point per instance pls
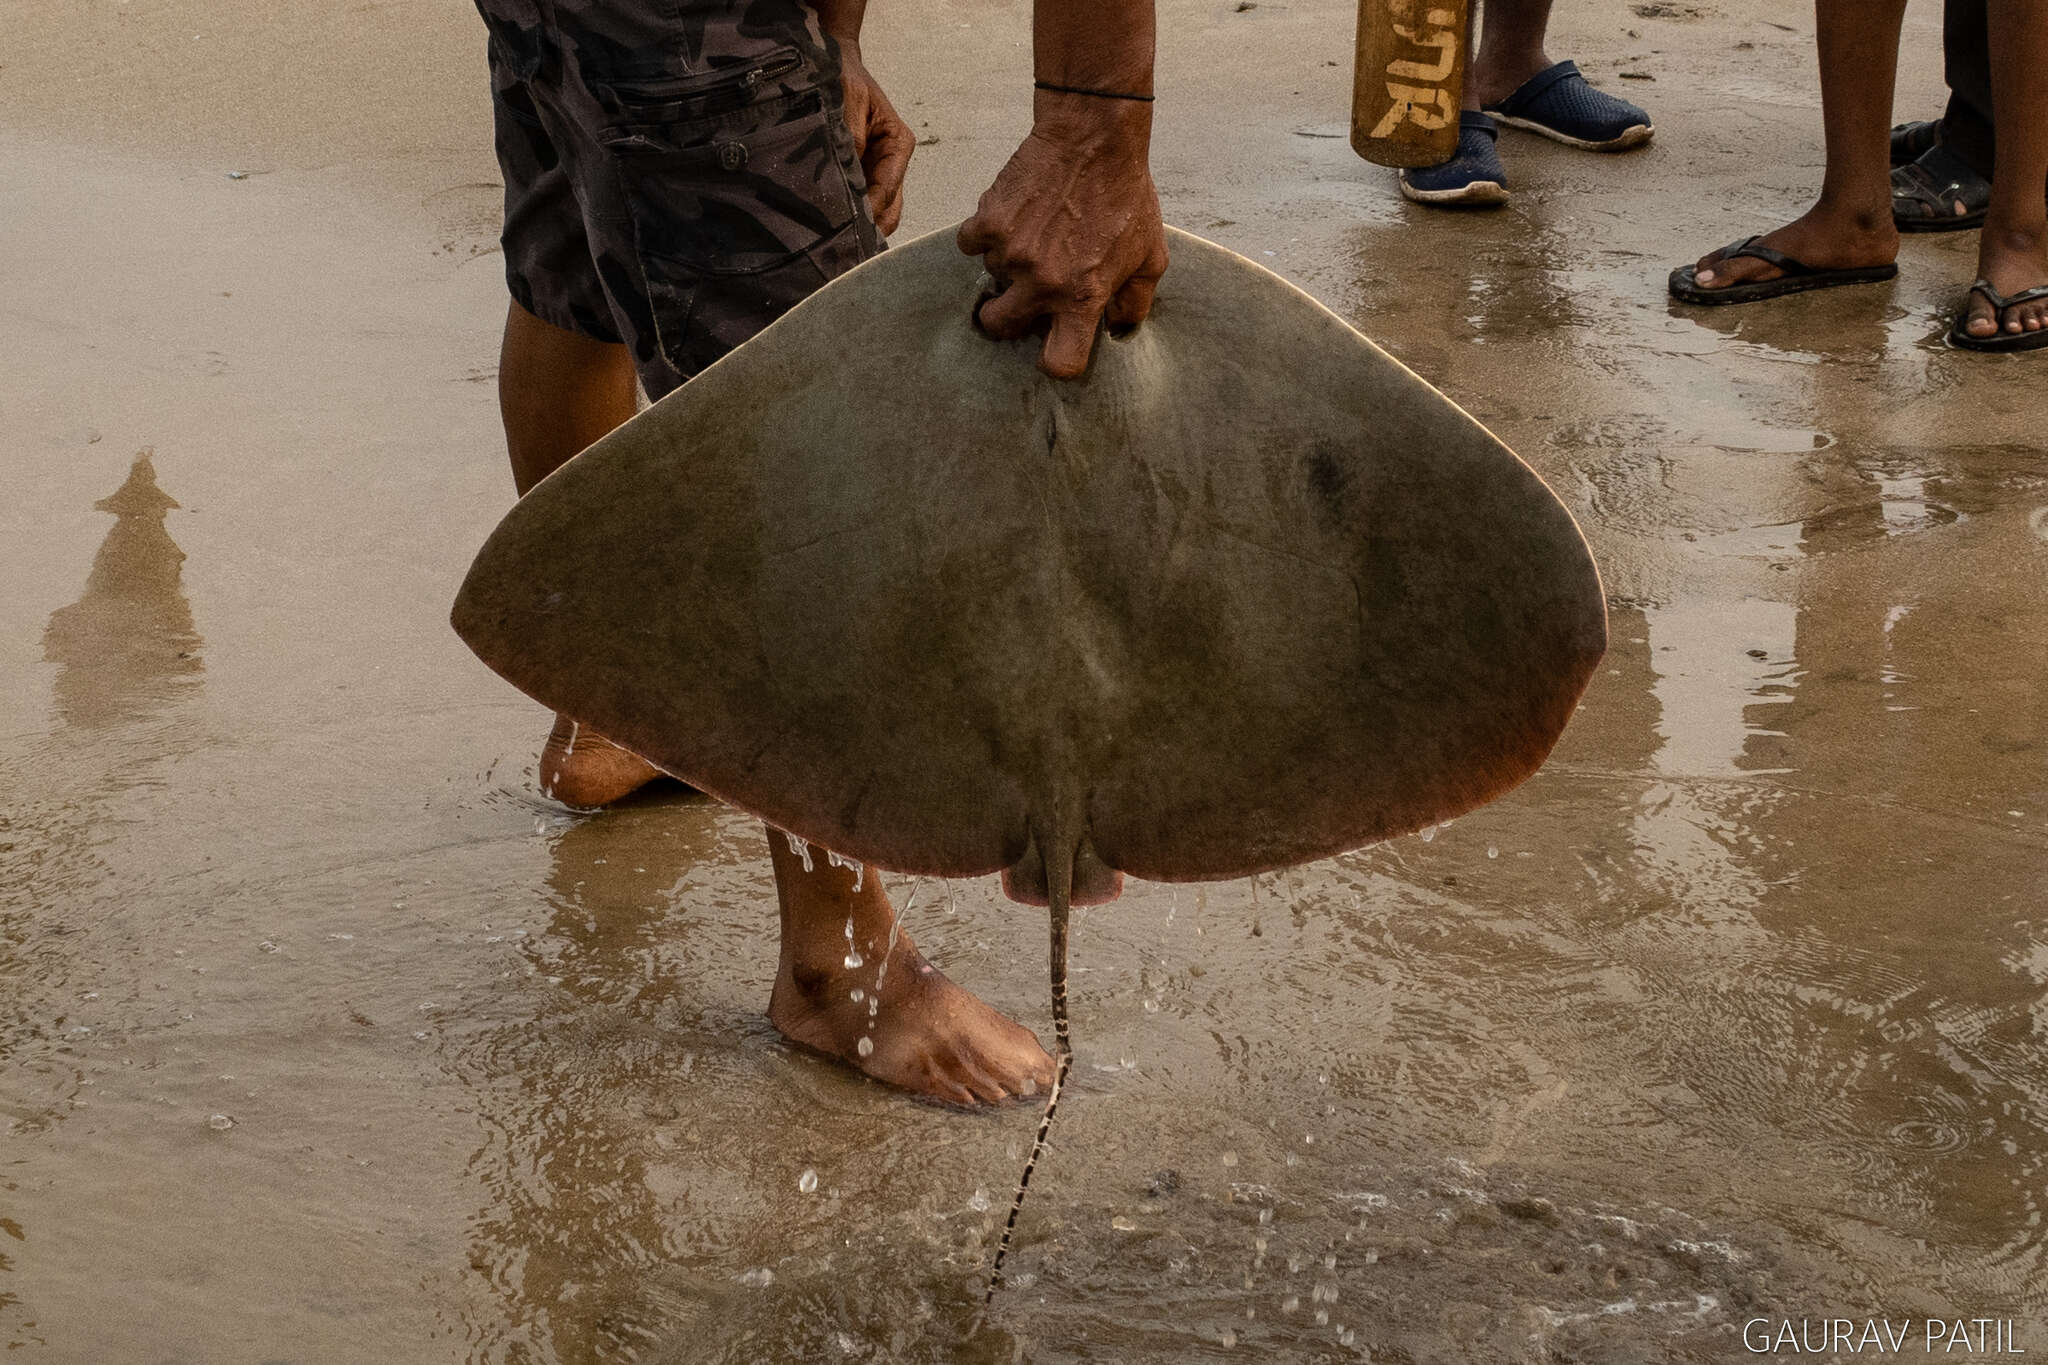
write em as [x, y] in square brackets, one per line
[705, 85]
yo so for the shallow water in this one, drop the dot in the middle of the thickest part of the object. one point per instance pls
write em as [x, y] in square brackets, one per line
[324, 1037]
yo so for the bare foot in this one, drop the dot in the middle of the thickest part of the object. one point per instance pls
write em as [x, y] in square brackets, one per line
[845, 989]
[1821, 237]
[2012, 261]
[580, 767]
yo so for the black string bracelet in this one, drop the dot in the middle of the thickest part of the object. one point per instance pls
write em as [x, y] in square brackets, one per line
[1098, 94]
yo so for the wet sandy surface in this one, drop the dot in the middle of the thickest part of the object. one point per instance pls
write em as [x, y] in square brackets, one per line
[324, 1038]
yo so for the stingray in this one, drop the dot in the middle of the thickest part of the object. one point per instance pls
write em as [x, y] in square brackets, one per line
[1249, 594]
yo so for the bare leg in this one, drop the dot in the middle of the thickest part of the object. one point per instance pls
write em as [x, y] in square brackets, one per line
[1510, 49]
[559, 391]
[1851, 225]
[2012, 252]
[903, 1022]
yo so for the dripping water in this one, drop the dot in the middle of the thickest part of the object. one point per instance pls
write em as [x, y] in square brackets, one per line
[832, 859]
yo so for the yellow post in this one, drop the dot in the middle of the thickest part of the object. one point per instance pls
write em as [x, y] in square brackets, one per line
[1409, 81]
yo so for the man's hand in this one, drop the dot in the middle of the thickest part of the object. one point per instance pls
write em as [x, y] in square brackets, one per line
[881, 138]
[1071, 230]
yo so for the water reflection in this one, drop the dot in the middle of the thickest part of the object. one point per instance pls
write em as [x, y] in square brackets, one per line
[592, 1200]
[1721, 666]
[1838, 806]
[128, 644]
[124, 650]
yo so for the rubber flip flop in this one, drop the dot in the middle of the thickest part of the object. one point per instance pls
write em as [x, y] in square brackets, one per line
[1562, 105]
[2002, 340]
[1926, 190]
[1798, 277]
[1910, 141]
[1473, 177]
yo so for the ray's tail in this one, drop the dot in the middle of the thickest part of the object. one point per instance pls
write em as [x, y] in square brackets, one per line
[1059, 885]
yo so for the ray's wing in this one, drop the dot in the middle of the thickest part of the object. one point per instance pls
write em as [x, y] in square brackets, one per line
[1250, 594]
[776, 582]
[1350, 610]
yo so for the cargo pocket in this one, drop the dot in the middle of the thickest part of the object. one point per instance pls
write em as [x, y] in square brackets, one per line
[737, 215]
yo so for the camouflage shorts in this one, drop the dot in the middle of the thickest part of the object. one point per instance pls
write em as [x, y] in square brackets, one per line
[677, 172]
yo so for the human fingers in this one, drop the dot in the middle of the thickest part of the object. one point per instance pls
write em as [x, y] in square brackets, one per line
[1069, 344]
[854, 108]
[886, 163]
[978, 235]
[1133, 302]
[1010, 314]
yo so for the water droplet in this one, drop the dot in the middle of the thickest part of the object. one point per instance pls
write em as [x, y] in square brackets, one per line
[978, 1201]
[854, 959]
[1428, 833]
[1265, 1217]
[874, 1005]
[1492, 852]
[1330, 1261]
[220, 1123]
[858, 995]
[1229, 1338]
[1123, 1224]
[1290, 1304]
[1230, 1158]
[865, 1046]
[807, 1182]
[759, 1278]
[267, 946]
[841, 860]
[1151, 1006]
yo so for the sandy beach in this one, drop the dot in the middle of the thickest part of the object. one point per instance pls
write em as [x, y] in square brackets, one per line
[325, 1038]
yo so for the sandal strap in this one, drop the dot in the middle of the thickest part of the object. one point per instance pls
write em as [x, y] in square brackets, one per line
[1472, 121]
[1754, 248]
[2001, 302]
[1936, 180]
[1531, 90]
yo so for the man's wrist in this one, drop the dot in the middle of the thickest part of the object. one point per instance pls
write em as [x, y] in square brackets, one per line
[1089, 122]
[840, 20]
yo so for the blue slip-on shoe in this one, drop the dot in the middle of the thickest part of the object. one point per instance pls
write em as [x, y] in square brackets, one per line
[1562, 106]
[1474, 176]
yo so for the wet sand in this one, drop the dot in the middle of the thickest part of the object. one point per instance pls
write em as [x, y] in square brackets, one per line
[324, 1038]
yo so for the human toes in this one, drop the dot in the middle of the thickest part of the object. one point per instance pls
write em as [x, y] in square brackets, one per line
[1717, 270]
[1982, 318]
